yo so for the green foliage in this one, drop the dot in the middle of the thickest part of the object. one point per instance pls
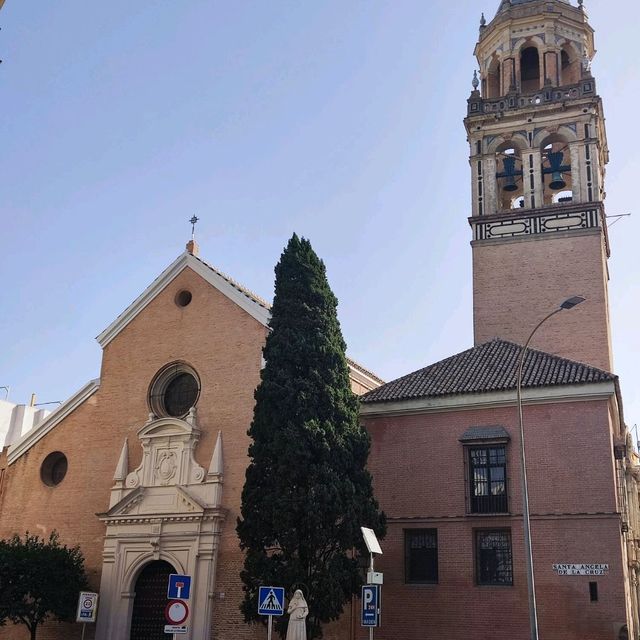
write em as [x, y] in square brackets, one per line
[307, 490]
[39, 579]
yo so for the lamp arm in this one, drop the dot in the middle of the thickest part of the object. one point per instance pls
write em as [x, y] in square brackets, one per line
[525, 348]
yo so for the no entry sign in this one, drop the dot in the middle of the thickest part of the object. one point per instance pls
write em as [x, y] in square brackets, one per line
[176, 612]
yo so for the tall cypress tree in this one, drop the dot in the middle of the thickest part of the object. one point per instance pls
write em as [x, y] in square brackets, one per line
[307, 490]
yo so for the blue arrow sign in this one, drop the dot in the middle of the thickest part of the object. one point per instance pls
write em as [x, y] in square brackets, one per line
[370, 605]
[271, 601]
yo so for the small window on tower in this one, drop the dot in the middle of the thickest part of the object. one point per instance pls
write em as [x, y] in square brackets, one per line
[493, 80]
[570, 66]
[530, 70]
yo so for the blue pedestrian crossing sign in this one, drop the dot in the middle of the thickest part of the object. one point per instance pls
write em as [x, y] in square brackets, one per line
[370, 605]
[271, 601]
[179, 587]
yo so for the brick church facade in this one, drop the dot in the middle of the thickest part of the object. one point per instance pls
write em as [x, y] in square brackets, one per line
[144, 467]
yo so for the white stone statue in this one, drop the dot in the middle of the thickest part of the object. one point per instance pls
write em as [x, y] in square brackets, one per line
[298, 612]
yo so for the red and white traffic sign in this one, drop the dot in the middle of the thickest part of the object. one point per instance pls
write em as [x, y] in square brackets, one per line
[87, 605]
[176, 612]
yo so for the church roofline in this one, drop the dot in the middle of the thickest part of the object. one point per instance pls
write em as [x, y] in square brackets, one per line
[253, 304]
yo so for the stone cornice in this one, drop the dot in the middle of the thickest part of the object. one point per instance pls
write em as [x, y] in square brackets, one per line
[472, 401]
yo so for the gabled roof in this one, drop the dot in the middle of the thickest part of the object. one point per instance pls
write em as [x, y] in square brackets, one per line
[487, 367]
[253, 304]
[250, 302]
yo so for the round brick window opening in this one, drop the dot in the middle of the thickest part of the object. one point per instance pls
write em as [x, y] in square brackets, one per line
[183, 298]
[54, 469]
[174, 390]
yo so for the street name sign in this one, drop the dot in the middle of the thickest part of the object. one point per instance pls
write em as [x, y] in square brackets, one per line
[581, 569]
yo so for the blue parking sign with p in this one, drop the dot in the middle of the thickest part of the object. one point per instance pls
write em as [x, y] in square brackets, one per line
[370, 605]
[179, 587]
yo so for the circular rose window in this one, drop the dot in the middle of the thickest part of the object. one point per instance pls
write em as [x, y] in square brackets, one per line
[174, 390]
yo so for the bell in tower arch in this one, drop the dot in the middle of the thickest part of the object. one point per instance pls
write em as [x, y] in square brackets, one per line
[509, 174]
[556, 168]
[557, 181]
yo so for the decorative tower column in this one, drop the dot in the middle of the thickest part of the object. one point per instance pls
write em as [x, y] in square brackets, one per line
[538, 151]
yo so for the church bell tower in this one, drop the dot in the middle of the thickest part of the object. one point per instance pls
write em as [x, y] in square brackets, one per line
[536, 131]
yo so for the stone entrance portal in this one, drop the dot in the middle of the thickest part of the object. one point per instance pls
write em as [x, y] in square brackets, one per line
[165, 513]
[147, 620]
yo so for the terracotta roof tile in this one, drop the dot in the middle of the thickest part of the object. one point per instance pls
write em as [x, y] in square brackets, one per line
[487, 367]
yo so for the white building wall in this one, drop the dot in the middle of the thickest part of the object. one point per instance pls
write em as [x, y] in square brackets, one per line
[17, 419]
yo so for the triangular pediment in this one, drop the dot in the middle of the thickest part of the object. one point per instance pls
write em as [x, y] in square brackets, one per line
[156, 502]
[255, 306]
[245, 299]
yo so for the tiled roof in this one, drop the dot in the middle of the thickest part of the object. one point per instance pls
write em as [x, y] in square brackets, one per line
[491, 366]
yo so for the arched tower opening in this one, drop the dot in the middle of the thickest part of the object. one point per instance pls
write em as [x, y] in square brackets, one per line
[492, 87]
[529, 69]
[570, 66]
[556, 170]
[509, 177]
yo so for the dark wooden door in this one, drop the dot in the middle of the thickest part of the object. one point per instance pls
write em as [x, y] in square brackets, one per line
[147, 621]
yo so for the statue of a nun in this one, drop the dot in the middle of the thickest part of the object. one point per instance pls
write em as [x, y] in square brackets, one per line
[298, 612]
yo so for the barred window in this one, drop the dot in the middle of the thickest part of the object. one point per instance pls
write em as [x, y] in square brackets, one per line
[494, 564]
[488, 477]
[421, 555]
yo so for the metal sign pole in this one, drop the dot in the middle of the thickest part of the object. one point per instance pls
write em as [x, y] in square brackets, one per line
[270, 627]
[371, 569]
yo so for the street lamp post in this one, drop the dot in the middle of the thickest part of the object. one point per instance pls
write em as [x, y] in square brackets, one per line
[531, 588]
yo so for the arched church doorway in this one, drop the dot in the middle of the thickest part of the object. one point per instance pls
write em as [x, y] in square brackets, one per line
[147, 619]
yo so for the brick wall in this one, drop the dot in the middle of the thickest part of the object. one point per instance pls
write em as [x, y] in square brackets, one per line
[510, 298]
[418, 468]
[224, 345]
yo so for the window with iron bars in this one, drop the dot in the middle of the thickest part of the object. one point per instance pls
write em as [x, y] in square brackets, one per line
[488, 479]
[494, 563]
[421, 556]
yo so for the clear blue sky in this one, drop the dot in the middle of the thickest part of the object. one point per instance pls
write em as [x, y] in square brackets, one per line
[340, 119]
